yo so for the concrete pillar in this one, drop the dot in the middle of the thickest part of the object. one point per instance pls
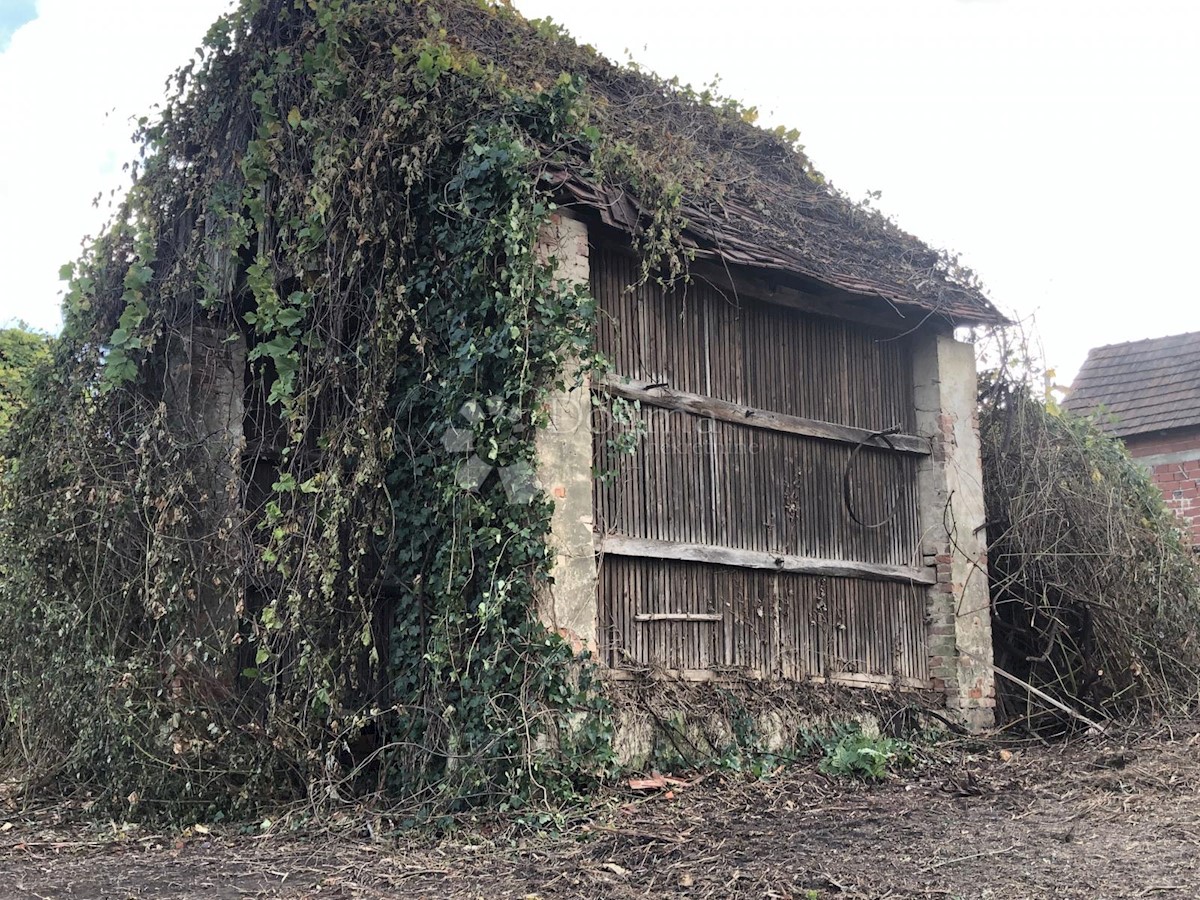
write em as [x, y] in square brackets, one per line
[952, 515]
[204, 391]
[564, 462]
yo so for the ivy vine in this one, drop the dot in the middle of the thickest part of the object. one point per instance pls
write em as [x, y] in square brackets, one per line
[231, 524]
[348, 202]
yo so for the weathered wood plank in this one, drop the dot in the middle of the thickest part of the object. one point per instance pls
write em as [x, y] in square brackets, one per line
[622, 545]
[875, 312]
[699, 405]
[677, 617]
[735, 675]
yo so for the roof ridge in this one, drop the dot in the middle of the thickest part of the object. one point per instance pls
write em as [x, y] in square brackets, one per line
[1165, 337]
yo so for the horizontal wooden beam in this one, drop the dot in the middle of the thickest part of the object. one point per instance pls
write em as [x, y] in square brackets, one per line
[678, 617]
[876, 682]
[735, 675]
[621, 545]
[723, 410]
[871, 311]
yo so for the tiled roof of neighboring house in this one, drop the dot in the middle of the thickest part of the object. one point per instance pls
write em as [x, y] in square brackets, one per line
[1141, 386]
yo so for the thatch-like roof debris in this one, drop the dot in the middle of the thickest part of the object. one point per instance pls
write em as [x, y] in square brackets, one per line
[750, 197]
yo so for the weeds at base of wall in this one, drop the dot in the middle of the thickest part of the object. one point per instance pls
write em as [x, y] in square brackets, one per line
[849, 753]
[752, 729]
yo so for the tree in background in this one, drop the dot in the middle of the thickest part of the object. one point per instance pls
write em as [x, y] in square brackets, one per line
[22, 351]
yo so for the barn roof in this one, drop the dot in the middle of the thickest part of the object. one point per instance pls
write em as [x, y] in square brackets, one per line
[1142, 386]
[751, 197]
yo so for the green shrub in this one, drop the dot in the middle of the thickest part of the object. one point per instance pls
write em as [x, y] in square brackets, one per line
[850, 753]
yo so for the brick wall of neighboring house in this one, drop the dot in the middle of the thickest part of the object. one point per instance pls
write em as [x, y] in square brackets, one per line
[1174, 460]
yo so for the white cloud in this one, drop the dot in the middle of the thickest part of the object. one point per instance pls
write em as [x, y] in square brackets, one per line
[69, 83]
[1054, 144]
[14, 14]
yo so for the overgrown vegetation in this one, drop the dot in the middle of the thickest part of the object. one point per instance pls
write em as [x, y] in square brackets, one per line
[851, 753]
[1095, 595]
[306, 603]
[302, 598]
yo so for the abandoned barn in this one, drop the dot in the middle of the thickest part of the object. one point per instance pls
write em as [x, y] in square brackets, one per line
[383, 260]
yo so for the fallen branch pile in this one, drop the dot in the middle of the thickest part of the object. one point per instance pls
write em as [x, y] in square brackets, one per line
[1096, 598]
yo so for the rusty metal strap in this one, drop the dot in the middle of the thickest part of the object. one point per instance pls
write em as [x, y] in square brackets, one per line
[847, 494]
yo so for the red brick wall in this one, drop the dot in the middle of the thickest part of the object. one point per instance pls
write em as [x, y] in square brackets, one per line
[1178, 476]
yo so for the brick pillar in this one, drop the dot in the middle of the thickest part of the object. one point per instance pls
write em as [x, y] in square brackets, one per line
[564, 463]
[950, 494]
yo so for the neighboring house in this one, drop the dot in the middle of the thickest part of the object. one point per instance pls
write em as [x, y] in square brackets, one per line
[1147, 393]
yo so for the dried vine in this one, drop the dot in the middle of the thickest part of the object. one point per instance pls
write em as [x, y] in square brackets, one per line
[1095, 596]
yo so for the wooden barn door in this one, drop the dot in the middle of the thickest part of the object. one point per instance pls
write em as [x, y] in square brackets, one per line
[725, 438]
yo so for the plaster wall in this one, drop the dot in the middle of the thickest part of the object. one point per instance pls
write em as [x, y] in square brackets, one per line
[952, 515]
[564, 464]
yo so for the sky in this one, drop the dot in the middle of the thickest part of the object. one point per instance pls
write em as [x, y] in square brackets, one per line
[1052, 143]
[14, 14]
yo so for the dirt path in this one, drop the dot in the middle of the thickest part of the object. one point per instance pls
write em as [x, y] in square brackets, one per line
[1100, 819]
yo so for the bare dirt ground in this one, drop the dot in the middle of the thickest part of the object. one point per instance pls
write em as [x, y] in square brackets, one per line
[1099, 818]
